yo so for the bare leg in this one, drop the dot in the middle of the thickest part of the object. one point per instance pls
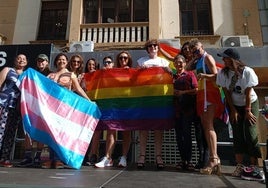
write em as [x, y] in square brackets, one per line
[27, 143]
[143, 144]
[27, 158]
[158, 139]
[28, 147]
[40, 146]
[110, 143]
[253, 161]
[211, 137]
[126, 142]
[239, 158]
[95, 143]
[37, 156]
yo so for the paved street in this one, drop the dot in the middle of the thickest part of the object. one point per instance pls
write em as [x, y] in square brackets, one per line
[89, 177]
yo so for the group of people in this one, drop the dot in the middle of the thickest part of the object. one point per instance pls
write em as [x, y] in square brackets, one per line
[237, 82]
[197, 101]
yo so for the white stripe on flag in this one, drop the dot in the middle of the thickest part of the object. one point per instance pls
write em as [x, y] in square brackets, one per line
[56, 123]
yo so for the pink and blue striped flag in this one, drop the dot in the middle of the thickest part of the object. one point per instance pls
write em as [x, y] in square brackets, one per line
[57, 117]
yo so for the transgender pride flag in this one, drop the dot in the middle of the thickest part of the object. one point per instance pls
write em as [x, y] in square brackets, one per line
[132, 99]
[57, 117]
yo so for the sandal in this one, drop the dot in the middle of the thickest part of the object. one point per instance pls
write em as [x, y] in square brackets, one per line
[159, 162]
[141, 162]
[189, 166]
[181, 165]
[215, 169]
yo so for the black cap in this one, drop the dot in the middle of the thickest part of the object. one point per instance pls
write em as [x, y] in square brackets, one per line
[231, 53]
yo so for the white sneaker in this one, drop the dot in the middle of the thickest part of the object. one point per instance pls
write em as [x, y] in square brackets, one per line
[105, 162]
[122, 162]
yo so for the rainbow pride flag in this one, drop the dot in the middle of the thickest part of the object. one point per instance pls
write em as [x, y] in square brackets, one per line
[132, 99]
[57, 117]
[168, 52]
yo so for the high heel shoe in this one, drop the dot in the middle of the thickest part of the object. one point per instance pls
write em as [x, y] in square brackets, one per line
[141, 162]
[215, 169]
[159, 162]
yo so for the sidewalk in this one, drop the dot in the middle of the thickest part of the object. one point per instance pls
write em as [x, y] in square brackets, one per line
[90, 177]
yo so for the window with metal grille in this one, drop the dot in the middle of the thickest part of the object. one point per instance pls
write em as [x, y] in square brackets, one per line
[110, 11]
[53, 20]
[195, 17]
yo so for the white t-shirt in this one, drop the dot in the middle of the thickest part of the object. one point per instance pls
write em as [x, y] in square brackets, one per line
[149, 62]
[247, 79]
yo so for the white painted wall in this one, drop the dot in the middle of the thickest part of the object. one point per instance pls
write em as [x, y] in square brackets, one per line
[169, 19]
[26, 27]
[222, 18]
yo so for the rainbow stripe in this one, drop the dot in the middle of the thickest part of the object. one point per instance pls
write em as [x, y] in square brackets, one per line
[132, 99]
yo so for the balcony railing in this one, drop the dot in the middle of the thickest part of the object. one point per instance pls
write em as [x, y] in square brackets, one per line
[115, 33]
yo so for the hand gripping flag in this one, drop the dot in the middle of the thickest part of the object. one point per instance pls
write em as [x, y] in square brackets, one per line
[132, 99]
[57, 117]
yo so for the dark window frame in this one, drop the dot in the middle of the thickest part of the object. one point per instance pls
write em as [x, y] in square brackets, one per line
[110, 11]
[196, 17]
[263, 12]
[53, 20]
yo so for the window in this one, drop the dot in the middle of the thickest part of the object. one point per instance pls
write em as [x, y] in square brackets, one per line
[263, 11]
[195, 17]
[110, 11]
[53, 20]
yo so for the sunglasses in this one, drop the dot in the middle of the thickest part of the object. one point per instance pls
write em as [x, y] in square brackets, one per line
[197, 51]
[74, 61]
[123, 57]
[152, 45]
[107, 62]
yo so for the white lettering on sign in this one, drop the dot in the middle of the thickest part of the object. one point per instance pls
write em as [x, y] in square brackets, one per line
[3, 60]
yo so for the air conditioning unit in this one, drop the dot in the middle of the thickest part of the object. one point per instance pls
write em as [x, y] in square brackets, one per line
[235, 41]
[82, 46]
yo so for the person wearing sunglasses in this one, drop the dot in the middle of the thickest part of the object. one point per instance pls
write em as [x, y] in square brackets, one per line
[108, 62]
[209, 105]
[76, 65]
[123, 60]
[105, 161]
[152, 60]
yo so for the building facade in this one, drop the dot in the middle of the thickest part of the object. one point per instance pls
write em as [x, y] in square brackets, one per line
[128, 23]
